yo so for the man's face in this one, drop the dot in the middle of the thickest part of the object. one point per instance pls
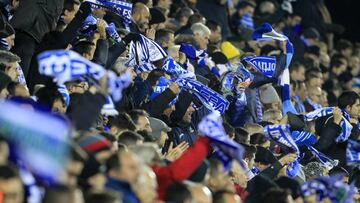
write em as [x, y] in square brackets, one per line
[144, 124]
[59, 106]
[129, 169]
[165, 3]
[79, 88]
[187, 117]
[250, 162]
[99, 12]
[315, 94]
[73, 169]
[261, 166]
[298, 75]
[215, 36]
[355, 110]
[249, 9]
[70, 15]
[12, 72]
[143, 20]
[12, 190]
[202, 40]
[11, 40]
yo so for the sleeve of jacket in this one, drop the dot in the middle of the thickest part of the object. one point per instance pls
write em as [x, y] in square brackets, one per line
[236, 111]
[183, 167]
[272, 171]
[328, 133]
[160, 103]
[260, 79]
[101, 52]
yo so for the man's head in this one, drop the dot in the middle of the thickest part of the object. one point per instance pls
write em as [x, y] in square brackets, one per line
[188, 114]
[259, 139]
[130, 138]
[11, 186]
[51, 98]
[313, 80]
[146, 187]
[273, 116]
[141, 120]
[267, 7]
[315, 94]
[200, 193]
[18, 90]
[85, 49]
[277, 195]
[102, 196]
[344, 47]
[183, 15]
[253, 128]
[71, 7]
[123, 166]
[215, 28]
[249, 156]
[350, 102]
[59, 194]
[218, 178]
[242, 136]
[226, 196]
[9, 63]
[263, 158]
[178, 192]
[246, 7]
[163, 3]
[159, 131]
[77, 86]
[201, 35]
[148, 153]
[120, 123]
[297, 72]
[141, 16]
[165, 38]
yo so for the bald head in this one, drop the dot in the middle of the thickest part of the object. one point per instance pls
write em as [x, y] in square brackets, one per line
[200, 193]
[141, 16]
[315, 94]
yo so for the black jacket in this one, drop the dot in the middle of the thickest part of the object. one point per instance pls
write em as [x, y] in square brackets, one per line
[37, 17]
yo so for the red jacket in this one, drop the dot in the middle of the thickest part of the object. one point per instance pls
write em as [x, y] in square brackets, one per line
[182, 168]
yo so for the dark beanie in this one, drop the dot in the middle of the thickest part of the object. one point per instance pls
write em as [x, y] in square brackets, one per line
[219, 58]
[264, 155]
[291, 184]
[183, 103]
[156, 16]
[4, 80]
[311, 33]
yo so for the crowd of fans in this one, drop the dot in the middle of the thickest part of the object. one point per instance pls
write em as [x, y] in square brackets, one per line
[147, 147]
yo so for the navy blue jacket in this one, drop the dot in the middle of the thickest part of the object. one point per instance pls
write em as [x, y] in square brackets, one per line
[124, 189]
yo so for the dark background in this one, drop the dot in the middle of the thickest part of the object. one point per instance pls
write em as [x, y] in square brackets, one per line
[346, 13]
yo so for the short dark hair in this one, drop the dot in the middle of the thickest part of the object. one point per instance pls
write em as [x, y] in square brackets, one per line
[122, 121]
[58, 194]
[218, 197]
[296, 66]
[258, 138]
[70, 4]
[83, 47]
[154, 76]
[129, 138]
[136, 113]
[241, 135]
[347, 98]
[7, 57]
[48, 95]
[162, 35]
[212, 25]
[8, 172]
[338, 170]
[250, 151]
[183, 12]
[177, 192]
[195, 18]
[244, 4]
[102, 196]
[343, 44]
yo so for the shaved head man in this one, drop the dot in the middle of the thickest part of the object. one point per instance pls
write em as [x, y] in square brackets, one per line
[141, 16]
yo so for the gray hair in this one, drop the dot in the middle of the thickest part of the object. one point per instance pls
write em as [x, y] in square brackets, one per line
[7, 57]
[200, 29]
[148, 153]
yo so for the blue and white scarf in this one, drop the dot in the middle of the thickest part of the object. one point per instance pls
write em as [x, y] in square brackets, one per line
[66, 65]
[327, 162]
[267, 33]
[225, 148]
[211, 99]
[303, 138]
[4, 44]
[299, 106]
[65, 93]
[313, 104]
[264, 64]
[329, 187]
[191, 52]
[353, 153]
[161, 86]
[109, 108]
[281, 134]
[143, 52]
[121, 8]
[344, 123]
[176, 72]
[247, 21]
[88, 27]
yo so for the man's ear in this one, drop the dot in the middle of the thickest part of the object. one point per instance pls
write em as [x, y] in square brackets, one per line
[348, 108]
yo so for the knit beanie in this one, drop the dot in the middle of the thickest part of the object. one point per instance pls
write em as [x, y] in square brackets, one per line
[229, 50]
[94, 143]
[183, 103]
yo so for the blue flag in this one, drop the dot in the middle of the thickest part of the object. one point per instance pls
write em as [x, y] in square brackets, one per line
[37, 145]
[191, 52]
[211, 99]
[267, 33]
[121, 8]
[264, 64]
[226, 149]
